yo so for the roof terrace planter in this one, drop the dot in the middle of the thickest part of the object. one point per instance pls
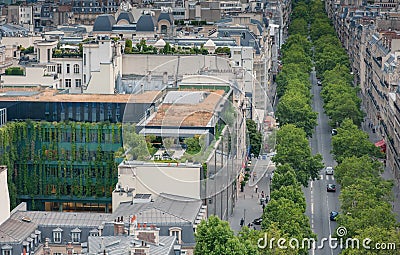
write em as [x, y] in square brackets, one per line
[67, 54]
[14, 71]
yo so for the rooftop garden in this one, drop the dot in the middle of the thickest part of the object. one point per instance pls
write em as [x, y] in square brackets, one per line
[14, 71]
[68, 51]
[143, 48]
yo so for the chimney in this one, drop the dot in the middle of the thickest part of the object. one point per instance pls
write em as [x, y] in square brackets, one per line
[70, 248]
[119, 228]
[165, 78]
[149, 235]
[46, 248]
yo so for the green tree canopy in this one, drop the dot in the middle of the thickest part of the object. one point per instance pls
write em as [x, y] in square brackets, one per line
[294, 108]
[255, 137]
[215, 237]
[351, 141]
[293, 148]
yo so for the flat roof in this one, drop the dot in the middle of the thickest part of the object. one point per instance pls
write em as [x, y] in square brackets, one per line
[53, 95]
[187, 114]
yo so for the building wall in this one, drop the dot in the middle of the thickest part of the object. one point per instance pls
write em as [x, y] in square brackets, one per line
[72, 75]
[25, 15]
[34, 76]
[4, 196]
[155, 179]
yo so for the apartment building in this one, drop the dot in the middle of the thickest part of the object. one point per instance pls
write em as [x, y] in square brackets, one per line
[369, 34]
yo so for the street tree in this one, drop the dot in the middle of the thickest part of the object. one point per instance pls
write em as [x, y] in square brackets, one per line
[298, 26]
[291, 192]
[353, 167]
[343, 107]
[289, 218]
[284, 175]
[297, 39]
[365, 194]
[262, 240]
[255, 137]
[351, 141]
[290, 71]
[383, 238]
[293, 148]
[294, 108]
[215, 237]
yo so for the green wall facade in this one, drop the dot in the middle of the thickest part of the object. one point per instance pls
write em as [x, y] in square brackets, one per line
[60, 161]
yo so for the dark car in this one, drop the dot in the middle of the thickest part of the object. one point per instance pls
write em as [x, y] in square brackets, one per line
[334, 132]
[257, 221]
[319, 83]
[333, 215]
[331, 187]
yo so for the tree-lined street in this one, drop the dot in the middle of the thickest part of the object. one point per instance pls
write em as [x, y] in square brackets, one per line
[319, 202]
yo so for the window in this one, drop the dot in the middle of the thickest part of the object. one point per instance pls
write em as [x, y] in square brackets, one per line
[76, 68]
[68, 68]
[48, 55]
[76, 237]
[68, 83]
[84, 79]
[84, 59]
[78, 83]
[7, 250]
[57, 236]
[177, 232]
[59, 68]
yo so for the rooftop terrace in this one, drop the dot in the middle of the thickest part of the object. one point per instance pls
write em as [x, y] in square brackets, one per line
[53, 95]
[178, 111]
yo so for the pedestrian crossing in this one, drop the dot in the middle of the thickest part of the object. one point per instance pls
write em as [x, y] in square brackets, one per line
[327, 177]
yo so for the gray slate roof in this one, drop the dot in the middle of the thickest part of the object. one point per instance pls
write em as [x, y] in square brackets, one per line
[126, 16]
[146, 23]
[60, 219]
[119, 245]
[184, 97]
[104, 23]
[166, 16]
[15, 231]
[165, 210]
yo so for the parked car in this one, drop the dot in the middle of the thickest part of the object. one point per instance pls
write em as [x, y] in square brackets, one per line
[329, 170]
[319, 83]
[333, 215]
[334, 132]
[257, 221]
[331, 187]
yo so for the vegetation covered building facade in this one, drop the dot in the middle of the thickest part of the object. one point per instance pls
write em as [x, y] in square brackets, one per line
[61, 165]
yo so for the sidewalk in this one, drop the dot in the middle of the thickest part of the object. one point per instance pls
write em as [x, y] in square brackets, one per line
[387, 174]
[248, 204]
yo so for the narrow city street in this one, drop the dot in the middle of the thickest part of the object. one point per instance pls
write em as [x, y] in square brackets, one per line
[248, 204]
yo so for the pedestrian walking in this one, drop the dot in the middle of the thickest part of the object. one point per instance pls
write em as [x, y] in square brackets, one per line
[263, 206]
[241, 222]
[262, 194]
[267, 199]
[256, 188]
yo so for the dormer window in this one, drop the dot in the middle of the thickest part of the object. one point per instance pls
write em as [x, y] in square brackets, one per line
[57, 233]
[76, 235]
[6, 250]
[177, 232]
[94, 232]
